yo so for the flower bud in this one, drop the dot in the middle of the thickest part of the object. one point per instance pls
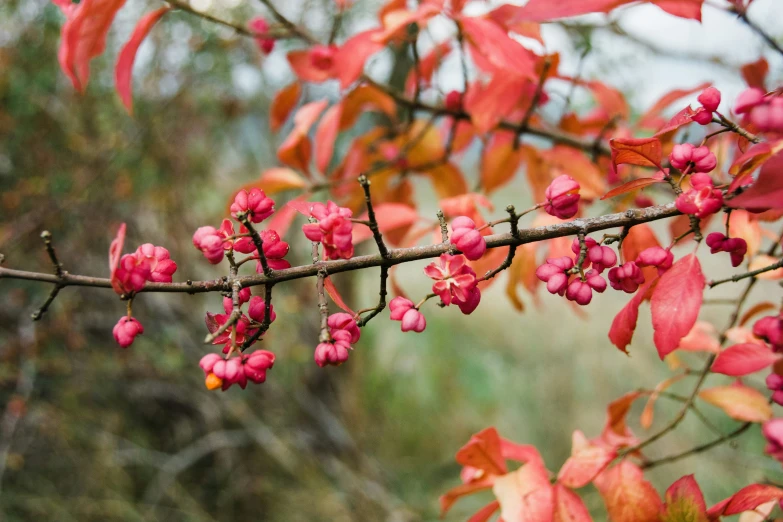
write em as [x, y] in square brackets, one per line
[710, 99]
[126, 330]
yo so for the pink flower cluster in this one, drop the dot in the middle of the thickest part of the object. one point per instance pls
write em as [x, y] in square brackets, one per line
[766, 113]
[770, 330]
[405, 311]
[702, 199]
[214, 243]
[659, 257]
[465, 237]
[334, 229]
[126, 330]
[223, 373]
[562, 197]
[260, 26]
[710, 100]
[455, 282]
[344, 332]
[626, 277]
[735, 246]
[685, 155]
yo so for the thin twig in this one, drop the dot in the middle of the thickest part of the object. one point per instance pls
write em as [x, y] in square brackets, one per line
[58, 272]
[323, 307]
[257, 241]
[288, 24]
[512, 250]
[381, 299]
[373, 221]
[753, 273]
[267, 318]
[444, 228]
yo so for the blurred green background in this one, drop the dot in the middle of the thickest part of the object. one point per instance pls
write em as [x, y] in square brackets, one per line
[92, 432]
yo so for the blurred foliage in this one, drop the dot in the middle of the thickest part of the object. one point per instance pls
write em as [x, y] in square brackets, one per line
[91, 432]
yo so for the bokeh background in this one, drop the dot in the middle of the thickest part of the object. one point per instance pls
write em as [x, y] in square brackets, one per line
[91, 432]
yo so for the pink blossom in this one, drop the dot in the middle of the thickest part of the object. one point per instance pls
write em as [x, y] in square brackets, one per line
[126, 330]
[685, 154]
[334, 352]
[333, 229]
[626, 277]
[773, 432]
[275, 249]
[748, 99]
[701, 200]
[770, 329]
[658, 257]
[554, 274]
[132, 273]
[242, 327]
[735, 246]
[404, 310]
[710, 99]
[244, 297]
[775, 384]
[260, 26]
[210, 242]
[454, 279]
[161, 266]
[256, 364]
[257, 310]
[471, 301]
[702, 116]
[466, 238]
[255, 203]
[562, 197]
[345, 322]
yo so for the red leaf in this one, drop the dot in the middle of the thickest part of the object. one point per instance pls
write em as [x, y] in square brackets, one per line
[616, 432]
[636, 151]
[326, 135]
[743, 359]
[296, 149]
[483, 452]
[497, 48]
[484, 514]
[684, 502]
[283, 103]
[767, 192]
[124, 68]
[569, 506]
[683, 117]
[115, 253]
[586, 461]
[525, 495]
[336, 297]
[353, 54]
[739, 402]
[447, 500]
[624, 322]
[390, 216]
[545, 10]
[499, 161]
[754, 73]
[489, 104]
[746, 499]
[690, 9]
[676, 302]
[628, 497]
[83, 37]
[652, 119]
[630, 186]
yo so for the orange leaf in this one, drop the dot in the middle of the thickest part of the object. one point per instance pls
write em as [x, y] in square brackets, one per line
[586, 461]
[636, 151]
[747, 499]
[684, 502]
[390, 216]
[296, 149]
[447, 180]
[652, 119]
[646, 419]
[495, 48]
[123, 70]
[627, 495]
[630, 186]
[451, 496]
[353, 55]
[755, 310]
[279, 179]
[483, 452]
[703, 337]
[489, 104]
[499, 162]
[616, 432]
[336, 297]
[282, 104]
[574, 163]
[743, 226]
[739, 402]
[326, 135]
[754, 73]
[569, 506]
[525, 495]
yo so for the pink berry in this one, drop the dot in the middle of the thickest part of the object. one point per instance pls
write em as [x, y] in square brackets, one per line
[453, 101]
[710, 99]
[579, 292]
[601, 257]
[331, 353]
[333, 229]
[404, 310]
[466, 238]
[257, 310]
[554, 274]
[770, 329]
[701, 200]
[773, 432]
[322, 56]
[748, 99]
[736, 247]
[345, 322]
[210, 242]
[126, 330]
[255, 203]
[626, 277]
[256, 365]
[702, 116]
[260, 26]
[562, 197]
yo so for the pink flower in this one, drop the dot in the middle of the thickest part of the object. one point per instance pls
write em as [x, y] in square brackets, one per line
[466, 238]
[161, 266]
[735, 246]
[275, 249]
[702, 116]
[126, 330]
[770, 329]
[404, 310]
[260, 26]
[601, 257]
[658, 257]
[453, 101]
[230, 372]
[775, 384]
[210, 242]
[748, 99]
[257, 310]
[132, 273]
[322, 57]
[773, 432]
[454, 279]
[700, 157]
[471, 302]
[554, 274]
[242, 327]
[334, 352]
[256, 364]
[626, 277]
[701, 200]
[710, 99]
[255, 203]
[243, 244]
[333, 229]
[562, 197]
[345, 322]
[244, 297]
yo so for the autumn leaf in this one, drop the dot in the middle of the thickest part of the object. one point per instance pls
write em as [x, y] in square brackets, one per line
[334, 294]
[676, 302]
[124, 67]
[568, 506]
[744, 359]
[767, 191]
[282, 104]
[490, 42]
[546, 10]
[684, 502]
[279, 179]
[646, 419]
[390, 216]
[624, 323]
[483, 452]
[616, 432]
[747, 499]
[739, 402]
[525, 495]
[627, 495]
[689, 9]
[353, 55]
[499, 162]
[296, 149]
[586, 461]
[630, 186]
[636, 151]
[652, 119]
[755, 73]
